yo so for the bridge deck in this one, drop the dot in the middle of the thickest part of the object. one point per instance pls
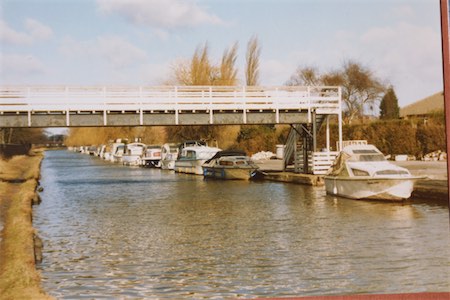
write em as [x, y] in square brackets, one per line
[60, 106]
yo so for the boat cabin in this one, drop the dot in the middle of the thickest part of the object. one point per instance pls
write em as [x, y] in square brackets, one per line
[364, 160]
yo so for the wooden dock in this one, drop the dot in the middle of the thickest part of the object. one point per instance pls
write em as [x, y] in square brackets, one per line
[290, 177]
[431, 189]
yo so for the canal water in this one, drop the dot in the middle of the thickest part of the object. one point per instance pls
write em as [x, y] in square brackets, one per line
[120, 232]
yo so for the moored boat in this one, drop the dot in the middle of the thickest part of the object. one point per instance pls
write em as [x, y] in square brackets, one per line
[230, 164]
[132, 154]
[193, 154]
[169, 154]
[113, 149]
[151, 156]
[362, 172]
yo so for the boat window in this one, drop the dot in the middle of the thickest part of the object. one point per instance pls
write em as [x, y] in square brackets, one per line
[225, 163]
[190, 154]
[357, 172]
[365, 151]
[392, 172]
[371, 157]
[240, 162]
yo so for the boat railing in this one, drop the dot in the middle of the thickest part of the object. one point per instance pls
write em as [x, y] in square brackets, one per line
[350, 143]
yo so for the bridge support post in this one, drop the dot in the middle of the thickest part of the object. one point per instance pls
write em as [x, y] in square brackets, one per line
[210, 106]
[328, 132]
[314, 131]
[340, 119]
[67, 118]
[105, 122]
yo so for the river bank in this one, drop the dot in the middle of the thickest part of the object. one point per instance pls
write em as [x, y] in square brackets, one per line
[19, 278]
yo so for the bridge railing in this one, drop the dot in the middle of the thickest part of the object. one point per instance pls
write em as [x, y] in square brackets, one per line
[111, 98]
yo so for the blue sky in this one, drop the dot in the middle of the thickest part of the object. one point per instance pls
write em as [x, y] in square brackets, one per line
[95, 42]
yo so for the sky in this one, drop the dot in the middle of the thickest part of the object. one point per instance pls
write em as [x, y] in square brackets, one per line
[137, 42]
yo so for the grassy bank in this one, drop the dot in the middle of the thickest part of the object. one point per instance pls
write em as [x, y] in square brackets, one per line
[19, 278]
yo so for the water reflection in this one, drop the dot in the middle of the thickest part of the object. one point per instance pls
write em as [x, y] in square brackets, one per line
[113, 231]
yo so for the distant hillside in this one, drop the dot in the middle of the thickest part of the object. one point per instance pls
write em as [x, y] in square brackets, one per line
[424, 107]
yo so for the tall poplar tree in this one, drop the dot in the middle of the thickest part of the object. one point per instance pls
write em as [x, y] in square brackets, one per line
[252, 60]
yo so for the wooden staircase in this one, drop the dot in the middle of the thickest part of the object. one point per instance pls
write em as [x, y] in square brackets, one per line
[300, 148]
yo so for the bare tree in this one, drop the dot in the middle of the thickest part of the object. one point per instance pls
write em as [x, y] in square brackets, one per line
[252, 59]
[361, 89]
[305, 76]
[181, 73]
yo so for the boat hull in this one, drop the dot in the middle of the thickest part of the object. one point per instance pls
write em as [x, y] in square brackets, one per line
[167, 164]
[228, 173]
[393, 189]
[131, 160]
[189, 166]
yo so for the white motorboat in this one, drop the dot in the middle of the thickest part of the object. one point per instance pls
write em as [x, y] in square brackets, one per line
[362, 172]
[234, 164]
[152, 156]
[192, 156]
[118, 153]
[133, 154]
[107, 152]
[169, 154]
[113, 149]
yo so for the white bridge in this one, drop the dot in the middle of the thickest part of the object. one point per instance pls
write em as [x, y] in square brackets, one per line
[75, 106]
[71, 106]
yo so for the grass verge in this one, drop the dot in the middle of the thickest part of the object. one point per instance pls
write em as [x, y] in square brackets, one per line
[19, 278]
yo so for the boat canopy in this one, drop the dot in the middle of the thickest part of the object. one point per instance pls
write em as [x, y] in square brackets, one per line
[355, 153]
[227, 153]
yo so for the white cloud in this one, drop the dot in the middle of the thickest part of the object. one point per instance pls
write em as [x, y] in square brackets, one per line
[167, 14]
[38, 30]
[112, 50]
[35, 31]
[17, 64]
[11, 36]
[408, 55]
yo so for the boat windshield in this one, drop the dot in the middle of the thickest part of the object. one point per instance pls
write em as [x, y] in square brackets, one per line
[371, 157]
